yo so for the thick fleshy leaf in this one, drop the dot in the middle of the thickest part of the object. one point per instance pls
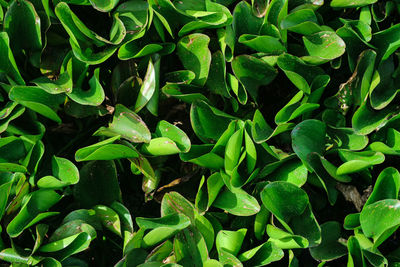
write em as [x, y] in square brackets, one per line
[358, 3]
[168, 130]
[174, 220]
[357, 161]
[105, 150]
[330, 248]
[70, 238]
[104, 5]
[379, 220]
[262, 43]
[216, 80]
[325, 45]
[307, 137]
[290, 205]
[7, 61]
[387, 41]
[302, 21]
[253, 73]
[98, 184]
[6, 182]
[230, 241]
[238, 202]
[21, 18]
[160, 146]
[38, 100]
[128, 125]
[33, 211]
[195, 56]
[284, 200]
[365, 120]
[260, 130]
[190, 247]
[285, 240]
[293, 171]
[65, 173]
[244, 20]
[201, 114]
[387, 186]
[92, 97]
[108, 218]
[299, 73]
[262, 255]
[294, 108]
[202, 155]
[147, 89]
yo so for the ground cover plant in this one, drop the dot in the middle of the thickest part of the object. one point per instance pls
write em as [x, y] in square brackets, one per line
[199, 133]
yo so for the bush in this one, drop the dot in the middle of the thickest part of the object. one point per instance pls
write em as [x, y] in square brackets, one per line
[199, 133]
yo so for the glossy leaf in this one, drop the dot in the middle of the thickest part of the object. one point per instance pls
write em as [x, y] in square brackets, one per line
[33, 211]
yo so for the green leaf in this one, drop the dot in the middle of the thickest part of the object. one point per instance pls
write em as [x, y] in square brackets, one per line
[147, 89]
[11, 255]
[299, 73]
[179, 137]
[238, 202]
[386, 41]
[98, 184]
[379, 220]
[105, 150]
[69, 239]
[104, 5]
[358, 3]
[65, 172]
[244, 20]
[173, 220]
[262, 255]
[294, 109]
[330, 248]
[293, 171]
[128, 125]
[307, 137]
[365, 120]
[160, 146]
[201, 114]
[205, 197]
[136, 49]
[108, 218]
[185, 92]
[20, 20]
[253, 73]
[387, 186]
[302, 21]
[233, 151]
[92, 97]
[230, 241]
[62, 85]
[284, 200]
[6, 181]
[7, 61]
[347, 138]
[33, 211]
[195, 56]
[260, 130]
[190, 247]
[262, 43]
[326, 45]
[285, 240]
[357, 161]
[38, 100]
[216, 81]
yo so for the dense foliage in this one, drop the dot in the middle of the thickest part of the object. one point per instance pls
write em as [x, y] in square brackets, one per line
[199, 133]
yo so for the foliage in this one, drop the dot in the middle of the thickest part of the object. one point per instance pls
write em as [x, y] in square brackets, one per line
[199, 133]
